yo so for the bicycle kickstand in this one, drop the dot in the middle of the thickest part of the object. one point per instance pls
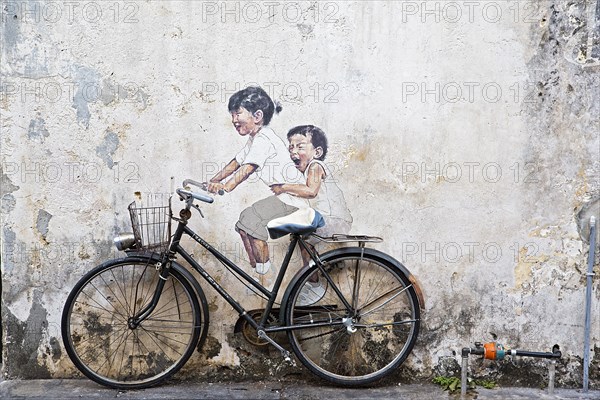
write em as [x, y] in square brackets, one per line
[286, 354]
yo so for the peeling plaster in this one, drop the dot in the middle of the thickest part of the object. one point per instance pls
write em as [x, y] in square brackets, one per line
[37, 63]
[7, 203]
[37, 129]
[29, 51]
[108, 147]
[43, 219]
[23, 340]
[8, 244]
[12, 33]
[87, 81]
[6, 183]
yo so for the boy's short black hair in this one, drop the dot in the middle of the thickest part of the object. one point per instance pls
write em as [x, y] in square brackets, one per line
[317, 137]
[254, 98]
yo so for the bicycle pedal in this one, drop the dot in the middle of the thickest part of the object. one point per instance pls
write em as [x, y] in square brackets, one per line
[289, 360]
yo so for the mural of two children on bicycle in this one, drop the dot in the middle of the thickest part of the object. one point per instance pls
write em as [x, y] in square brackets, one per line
[294, 171]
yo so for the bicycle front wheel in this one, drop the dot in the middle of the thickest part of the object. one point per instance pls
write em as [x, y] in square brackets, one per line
[102, 343]
[362, 339]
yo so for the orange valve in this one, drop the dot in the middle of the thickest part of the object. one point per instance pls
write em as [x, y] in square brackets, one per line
[493, 351]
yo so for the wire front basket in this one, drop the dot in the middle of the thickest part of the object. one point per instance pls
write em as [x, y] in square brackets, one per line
[151, 227]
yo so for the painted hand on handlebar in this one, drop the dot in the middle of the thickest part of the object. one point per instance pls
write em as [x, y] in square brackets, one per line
[215, 187]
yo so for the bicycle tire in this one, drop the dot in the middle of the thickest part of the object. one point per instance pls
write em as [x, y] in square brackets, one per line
[386, 311]
[100, 342]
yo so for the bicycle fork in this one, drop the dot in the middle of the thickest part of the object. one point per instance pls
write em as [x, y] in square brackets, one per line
[137, 318]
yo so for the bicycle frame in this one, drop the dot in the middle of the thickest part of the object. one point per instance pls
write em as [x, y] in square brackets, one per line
[271, 295]
[176, 248]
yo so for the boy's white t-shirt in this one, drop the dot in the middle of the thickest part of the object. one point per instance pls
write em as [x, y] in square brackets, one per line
[271, 156]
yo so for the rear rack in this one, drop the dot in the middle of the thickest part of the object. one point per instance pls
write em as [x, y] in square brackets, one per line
[341, 238]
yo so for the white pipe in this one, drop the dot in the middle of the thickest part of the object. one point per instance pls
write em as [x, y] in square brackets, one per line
[463, 377]
[551, 374]
[588, 305]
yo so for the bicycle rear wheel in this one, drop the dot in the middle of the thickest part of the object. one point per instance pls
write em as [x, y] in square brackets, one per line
[101, 343]
[362, 343]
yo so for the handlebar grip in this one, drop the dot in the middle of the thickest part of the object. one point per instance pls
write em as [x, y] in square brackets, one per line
[197, 196]
[201, 185]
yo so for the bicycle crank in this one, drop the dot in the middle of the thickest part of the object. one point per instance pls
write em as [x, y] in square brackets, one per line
[249, 332]
[284, 353]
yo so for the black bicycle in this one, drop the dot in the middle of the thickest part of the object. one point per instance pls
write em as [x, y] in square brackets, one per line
[133, 322]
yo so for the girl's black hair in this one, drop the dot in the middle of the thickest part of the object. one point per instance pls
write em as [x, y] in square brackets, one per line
[317, 137]
[254, 98]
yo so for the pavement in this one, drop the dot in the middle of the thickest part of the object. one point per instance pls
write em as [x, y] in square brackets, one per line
[265, 390]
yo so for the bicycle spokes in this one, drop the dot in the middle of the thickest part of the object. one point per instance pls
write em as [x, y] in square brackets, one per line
[105, 341]
[356, 345]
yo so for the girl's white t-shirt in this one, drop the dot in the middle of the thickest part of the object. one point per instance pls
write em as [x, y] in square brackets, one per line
[271, 156]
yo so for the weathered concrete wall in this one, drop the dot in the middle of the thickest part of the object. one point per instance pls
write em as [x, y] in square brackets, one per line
[465, 133]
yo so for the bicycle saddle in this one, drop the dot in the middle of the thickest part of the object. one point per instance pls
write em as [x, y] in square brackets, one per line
[303, 221]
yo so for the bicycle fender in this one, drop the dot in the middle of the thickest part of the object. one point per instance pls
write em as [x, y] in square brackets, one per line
[381, 256]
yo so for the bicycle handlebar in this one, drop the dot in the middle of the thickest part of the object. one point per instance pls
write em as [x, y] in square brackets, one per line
[201, 185]
[198, 196]
[188, 193]
[188, 182]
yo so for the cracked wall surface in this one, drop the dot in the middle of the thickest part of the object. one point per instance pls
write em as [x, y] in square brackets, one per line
[464, 133]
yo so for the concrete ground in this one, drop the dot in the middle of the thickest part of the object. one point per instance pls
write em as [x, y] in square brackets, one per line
[85, 389]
